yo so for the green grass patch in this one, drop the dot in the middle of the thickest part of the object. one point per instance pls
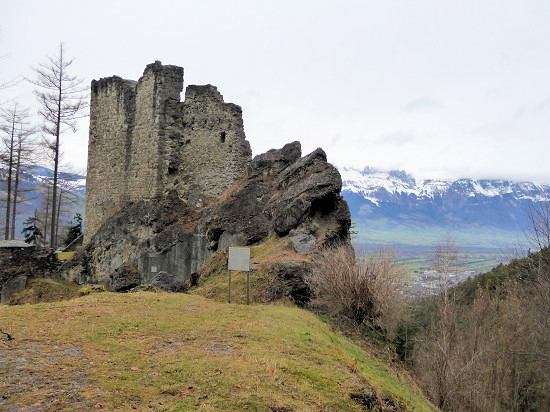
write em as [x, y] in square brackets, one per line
[46, 290]
[182, 352]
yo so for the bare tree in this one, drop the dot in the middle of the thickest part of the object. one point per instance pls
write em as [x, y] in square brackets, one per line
[6, 84]
[15, 128]
[63, 100]
[24, 157]
[489, 360]
[9, 128]
[538, 232]
[538, 237]
[446, 263]
[45, 193]
[439, 349]
[489, 353]
[538, 272]
[68, 198]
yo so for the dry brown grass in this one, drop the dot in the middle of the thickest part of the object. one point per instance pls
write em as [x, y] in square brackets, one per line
[213, 276]
[368, 292]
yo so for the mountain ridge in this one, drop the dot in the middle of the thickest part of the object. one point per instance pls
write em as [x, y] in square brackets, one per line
[392, 207]
[369, 182]
[32, 187]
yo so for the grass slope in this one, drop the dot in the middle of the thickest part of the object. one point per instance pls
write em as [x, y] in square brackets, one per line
[161, 351]
[213, 276]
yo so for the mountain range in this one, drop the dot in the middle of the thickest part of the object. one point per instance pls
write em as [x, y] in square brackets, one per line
[389, 207]
[33, 191]
[394, 207]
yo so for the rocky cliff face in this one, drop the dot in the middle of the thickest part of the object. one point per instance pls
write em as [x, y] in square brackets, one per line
[20, 263]
[163, 241]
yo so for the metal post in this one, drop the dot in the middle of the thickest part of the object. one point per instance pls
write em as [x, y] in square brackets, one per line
[229, 297]
[248, 288]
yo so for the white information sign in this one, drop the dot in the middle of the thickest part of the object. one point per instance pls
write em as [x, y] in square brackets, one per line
[239, 259]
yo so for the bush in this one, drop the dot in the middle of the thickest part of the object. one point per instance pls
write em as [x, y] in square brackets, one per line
[364, 292]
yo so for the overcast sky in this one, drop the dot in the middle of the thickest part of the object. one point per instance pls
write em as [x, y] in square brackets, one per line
[438, 88]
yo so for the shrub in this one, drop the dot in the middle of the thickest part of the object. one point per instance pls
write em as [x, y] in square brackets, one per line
[364, 292]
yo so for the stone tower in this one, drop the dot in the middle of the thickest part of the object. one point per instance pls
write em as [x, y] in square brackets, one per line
[145, 143]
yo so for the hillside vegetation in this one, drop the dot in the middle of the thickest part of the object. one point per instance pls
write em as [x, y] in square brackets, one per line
[164, 351]
[483, 345]
[265, 287]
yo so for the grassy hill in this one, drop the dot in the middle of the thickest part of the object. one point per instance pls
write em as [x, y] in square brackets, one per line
[212, 282]
[162, 351]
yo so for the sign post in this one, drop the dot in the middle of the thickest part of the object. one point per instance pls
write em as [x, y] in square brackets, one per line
[239, 259]
[248, 287]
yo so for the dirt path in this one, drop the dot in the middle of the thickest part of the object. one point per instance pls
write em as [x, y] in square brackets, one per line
[42, 376]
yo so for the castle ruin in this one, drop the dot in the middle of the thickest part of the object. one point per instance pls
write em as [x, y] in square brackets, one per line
[145, 143]
[171, 183]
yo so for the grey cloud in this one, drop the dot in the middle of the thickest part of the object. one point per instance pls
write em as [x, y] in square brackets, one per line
[539, 108]
[397, 138]
[421, 103]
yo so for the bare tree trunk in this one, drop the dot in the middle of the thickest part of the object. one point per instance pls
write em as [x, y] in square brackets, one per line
[53, 236]
[58, 213]
[10, 167]
[63, 101]
[47, 215]
[16, 185]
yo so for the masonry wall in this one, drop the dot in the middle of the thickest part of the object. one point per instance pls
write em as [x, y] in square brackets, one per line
[158, 85]
[112, 112]
[215, 151]
[144, 143]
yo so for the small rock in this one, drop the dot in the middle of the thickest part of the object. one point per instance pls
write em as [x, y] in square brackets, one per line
[125, 277]
[168, 281]
[302, 243]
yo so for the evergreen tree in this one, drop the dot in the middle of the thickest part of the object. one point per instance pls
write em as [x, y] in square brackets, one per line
[31, 231]
[75, 230]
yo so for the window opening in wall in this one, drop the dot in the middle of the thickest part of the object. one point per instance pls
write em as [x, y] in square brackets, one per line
[222, 137]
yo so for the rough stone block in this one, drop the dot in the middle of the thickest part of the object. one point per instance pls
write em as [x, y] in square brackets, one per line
[302, 243]
[125, 277]
[12, 286]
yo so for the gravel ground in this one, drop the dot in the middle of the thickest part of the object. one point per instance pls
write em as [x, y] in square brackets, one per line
[40, 376]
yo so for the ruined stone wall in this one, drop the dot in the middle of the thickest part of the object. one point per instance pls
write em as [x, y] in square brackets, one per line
[112, 112]
[215, 153]
[144, 143]
[158, 85]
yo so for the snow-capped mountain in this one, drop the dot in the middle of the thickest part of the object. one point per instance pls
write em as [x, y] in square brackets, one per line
[379, 186]
[396, 199]
[33, 192]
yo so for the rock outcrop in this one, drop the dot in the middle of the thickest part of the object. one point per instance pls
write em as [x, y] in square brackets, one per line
[169, 183]
[19, 265]
[164, 242]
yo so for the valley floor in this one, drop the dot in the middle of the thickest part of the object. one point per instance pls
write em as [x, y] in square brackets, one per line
[423, 280]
